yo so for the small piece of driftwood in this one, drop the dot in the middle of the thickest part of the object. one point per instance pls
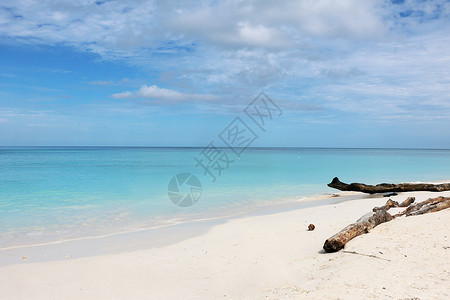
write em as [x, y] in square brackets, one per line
[390, 195]
[388, 187]
[381, 215]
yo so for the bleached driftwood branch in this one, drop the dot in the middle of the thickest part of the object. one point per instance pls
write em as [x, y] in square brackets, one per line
[427, 206]
[381, 215]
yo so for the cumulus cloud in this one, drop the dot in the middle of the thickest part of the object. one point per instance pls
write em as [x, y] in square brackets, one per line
[115, 26]
[398, 48]
[157, 93]
[275, 24]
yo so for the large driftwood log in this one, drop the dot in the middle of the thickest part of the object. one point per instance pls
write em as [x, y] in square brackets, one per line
[388, 187]
[381, 215]
[363, 225]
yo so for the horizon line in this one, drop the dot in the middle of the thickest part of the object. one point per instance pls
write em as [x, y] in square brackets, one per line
[224, 147]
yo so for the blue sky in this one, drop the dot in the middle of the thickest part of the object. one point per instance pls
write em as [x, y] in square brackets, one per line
[347, 73]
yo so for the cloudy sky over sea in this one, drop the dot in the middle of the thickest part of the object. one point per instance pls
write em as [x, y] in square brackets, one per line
[349, 73]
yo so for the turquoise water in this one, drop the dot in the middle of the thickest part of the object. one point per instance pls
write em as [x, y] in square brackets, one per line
[51, 194]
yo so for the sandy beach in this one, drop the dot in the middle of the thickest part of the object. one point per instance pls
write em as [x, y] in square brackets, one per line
[267, 256]
[182, 149]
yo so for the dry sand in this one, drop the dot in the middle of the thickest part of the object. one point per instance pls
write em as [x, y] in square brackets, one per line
[269, 256]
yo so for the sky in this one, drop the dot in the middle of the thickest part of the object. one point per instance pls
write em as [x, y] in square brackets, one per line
[348, 73]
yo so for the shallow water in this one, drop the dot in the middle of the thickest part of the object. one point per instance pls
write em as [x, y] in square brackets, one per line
[54, 193]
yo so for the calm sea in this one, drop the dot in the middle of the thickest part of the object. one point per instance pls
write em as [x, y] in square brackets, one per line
[57, 193]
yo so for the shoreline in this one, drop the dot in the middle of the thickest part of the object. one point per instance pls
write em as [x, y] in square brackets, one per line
[266, 206]
[155, 235]
[163, 235]
[257, 256]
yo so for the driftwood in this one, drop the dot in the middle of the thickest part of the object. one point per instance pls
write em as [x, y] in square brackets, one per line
[427, 206]
[381, 215]
[388, 187]
[390, 195]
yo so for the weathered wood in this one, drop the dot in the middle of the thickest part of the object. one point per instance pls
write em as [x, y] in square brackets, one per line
[433, 207]
[388, 187]
[390, 195]
[361, 226]
[380, 215]
[427, 206]
[407, 202]
[387, 206]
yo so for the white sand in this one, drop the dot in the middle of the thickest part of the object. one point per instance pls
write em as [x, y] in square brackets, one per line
[261, 257]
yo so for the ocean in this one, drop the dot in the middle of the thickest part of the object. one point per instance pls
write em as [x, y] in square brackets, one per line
[50, 194]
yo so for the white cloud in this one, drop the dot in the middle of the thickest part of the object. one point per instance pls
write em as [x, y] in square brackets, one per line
[110, 82]
[157, 93]
[116, 26]
[28, 114]
[339, 73]
[274, 24]
[102, 82]
[400, 50]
